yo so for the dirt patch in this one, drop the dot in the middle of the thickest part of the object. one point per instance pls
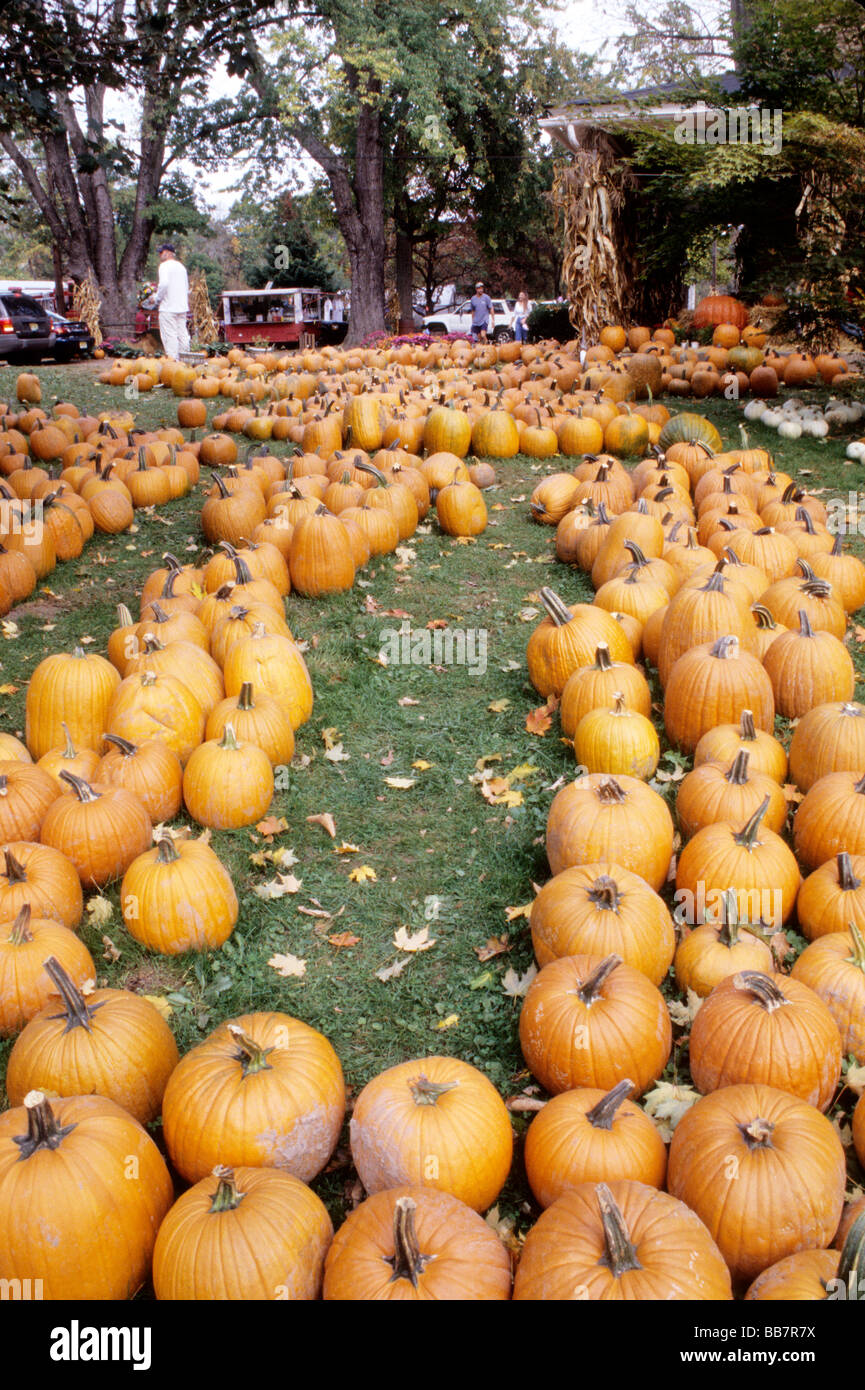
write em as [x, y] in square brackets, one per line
[155, 978]
[46, 608]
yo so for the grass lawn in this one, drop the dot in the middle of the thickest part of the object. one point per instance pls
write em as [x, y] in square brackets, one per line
[442, 857]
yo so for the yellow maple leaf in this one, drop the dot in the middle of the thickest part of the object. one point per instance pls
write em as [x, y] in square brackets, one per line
[422, 765]
[160, 1004]
[499, 706]
[363, 874]
[450, 1022]
[346, 848]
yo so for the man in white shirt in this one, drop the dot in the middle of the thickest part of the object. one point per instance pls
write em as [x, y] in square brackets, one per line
[172, 301]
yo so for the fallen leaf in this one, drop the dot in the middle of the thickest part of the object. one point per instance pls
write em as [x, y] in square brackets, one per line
[437, 623]
[450, 1022]
[515, 985]
[498, 792]
[111, 952]
[495, 946]
[287, 965]
[400, 783]
[528, 615]
[99, 911]
[792, 794]
[859, 633]
[487, 760]
[422, 765]
[524, 1103]
[405, 700]
[512, 913]
[344, 938]
[539, 720]
[346, 848]
[521, 772]
[666, 1104]
[10, 629]
[404, 940]
[390, 972]
[499, 706]
[318, 912]
[683, 1014]
[272, 825]
[855, 1079]
[325, 820]
[363, 874]
[395, 613]
[336, 754]
[329, 737]
[278, 887]
[387, 759]
[8, 689]
[86, 641]
[160, 1004]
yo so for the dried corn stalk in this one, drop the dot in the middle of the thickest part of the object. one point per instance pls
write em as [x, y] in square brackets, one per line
[86, 304]
[589, 196]
[204, 327]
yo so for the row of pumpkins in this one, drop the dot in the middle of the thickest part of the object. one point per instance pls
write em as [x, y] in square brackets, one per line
[737, 625]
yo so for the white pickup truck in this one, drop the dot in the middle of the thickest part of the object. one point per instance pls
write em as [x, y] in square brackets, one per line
[457, 318]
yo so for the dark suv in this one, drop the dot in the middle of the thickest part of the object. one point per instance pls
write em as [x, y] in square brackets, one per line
[72, 338]
[25, 328]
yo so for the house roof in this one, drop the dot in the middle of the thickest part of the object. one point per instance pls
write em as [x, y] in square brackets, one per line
[658, 104]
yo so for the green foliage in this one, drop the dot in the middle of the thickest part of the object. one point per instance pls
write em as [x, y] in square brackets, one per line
[550, 321]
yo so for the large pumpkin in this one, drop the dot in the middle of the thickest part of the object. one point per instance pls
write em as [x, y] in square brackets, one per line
[75, 690]
[178, 897]
[436, 1121]
[94, 1249]
[618, 819]
[99, 828]
[594, 909]
[720, 308]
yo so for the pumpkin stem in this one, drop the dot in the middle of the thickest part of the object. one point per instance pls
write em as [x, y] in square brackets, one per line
[715, 583]
[758, 1134]
[21, 927]
[226, 1197]
[851, 1266]
[15, 872]
[590, 989]
[726, 648]
[244, 699]
[847, 880]
[805, 569]
[82, 789]
[620, 1256]
[738, 773]
[728, 931]
[426, 1092]
[764, 618]
[69, 751]
[78, 1011]
[229, 739]
[601, 1116]
[252, 1057]
[747, 836]
[639, 558]
[747, 732]
[126, 748]
[43, 1131]
[556, 608]
[762, 987]
[610, 792]
[603, 660]
[407, 1261]
[124, 617]
[604, 893]
[858, 956]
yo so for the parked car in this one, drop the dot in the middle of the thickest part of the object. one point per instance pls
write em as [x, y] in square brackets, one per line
[458, 319]
[72, 338]
[25, 327]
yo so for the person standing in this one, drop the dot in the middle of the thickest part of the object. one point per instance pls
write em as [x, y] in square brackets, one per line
[522, 309]
[483, 319]
[172, 301]
[327, 312]
[338, 309]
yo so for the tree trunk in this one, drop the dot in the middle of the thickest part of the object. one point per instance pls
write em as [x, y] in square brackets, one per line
[404, 263]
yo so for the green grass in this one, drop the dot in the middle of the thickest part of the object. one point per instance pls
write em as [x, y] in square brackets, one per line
[438, 842]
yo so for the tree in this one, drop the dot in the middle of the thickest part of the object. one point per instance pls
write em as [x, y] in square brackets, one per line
[59, 59]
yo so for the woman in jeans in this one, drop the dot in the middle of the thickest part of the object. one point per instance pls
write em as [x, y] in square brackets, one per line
[522, 310]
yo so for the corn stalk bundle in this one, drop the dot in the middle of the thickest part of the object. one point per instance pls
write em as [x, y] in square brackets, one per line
[589, 196]
[86, 304]
[204, 327]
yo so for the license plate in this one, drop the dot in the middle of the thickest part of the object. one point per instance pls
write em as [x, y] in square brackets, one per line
[34, 327]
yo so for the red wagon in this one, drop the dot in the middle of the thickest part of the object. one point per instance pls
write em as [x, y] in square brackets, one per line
[278, 317]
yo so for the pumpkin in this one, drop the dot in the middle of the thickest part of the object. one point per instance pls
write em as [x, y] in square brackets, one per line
[712, 793]
[808, 668]
[461, 509]
[320, 558]
[618, 741]
[754, 861]
[411, 1244]
[26, 793]
[69, 759]
[110, 1043]
[845, 573]
[715, 309]
[263, 1091]
[589, 1135]
[151, 770]
[25, 945]
[553, 498]
[98, 1249]
[250, 1233]
[701, 612]
[599, 818]
[227, 784]
[41, 878]
[769, 1029]
[828, 738]
[833, 966]
[832, 898]
[725, 741]
[859, 1130]
[763, 1170]
[718, 948]
[808, 1274]
[830, 819]
[178, 897]
[149, 705]
[568, 638]
[596, 909]
[588, 1021]
[99, 828]
[591, 687]
[259, 720]
[787, 598]
[494, 435]
[447, 430]
[74, 690]
[623, 1241]
[436, 1121]
[711, 684]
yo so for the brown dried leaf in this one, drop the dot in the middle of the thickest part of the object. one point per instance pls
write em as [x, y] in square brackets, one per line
[325, 820]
